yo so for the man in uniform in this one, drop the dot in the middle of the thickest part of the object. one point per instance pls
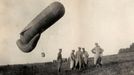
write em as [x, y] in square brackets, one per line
[85, 56]
[59, 60]
[78, 59]
[97, 51]
[72, 60]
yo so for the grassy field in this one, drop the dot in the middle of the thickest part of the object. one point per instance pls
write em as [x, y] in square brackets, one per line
[120, 64]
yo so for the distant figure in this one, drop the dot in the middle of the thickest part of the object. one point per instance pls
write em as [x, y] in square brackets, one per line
[72, 60]
[97, 51]
[78, 64]
[43, 54]
[59, 60]
[85, 56]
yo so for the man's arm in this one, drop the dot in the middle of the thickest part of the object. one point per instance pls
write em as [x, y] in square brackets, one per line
[93, 50]
[102, 50]
[58, 56]
[87, 54]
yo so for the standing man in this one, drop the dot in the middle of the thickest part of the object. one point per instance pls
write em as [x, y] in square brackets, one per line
[78, 59]
[85, 56]
[59, 60]
[72, 60]
[97, 51]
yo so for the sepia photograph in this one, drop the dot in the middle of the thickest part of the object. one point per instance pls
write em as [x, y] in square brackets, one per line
[66, 37]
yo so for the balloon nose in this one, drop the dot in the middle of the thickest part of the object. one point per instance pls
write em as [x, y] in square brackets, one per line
[29, 46]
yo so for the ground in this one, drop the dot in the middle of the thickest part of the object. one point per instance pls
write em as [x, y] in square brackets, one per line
[118, 64]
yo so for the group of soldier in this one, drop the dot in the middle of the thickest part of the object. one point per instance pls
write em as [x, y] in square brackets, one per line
[79, 59]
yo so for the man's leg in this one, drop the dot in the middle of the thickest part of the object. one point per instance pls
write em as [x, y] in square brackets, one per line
[59, 66]
[100, 61]
[80, 64]
[76, 64]
[73, 65]
[95, 60]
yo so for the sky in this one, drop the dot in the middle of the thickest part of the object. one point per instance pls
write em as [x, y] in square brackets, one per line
[108, 22]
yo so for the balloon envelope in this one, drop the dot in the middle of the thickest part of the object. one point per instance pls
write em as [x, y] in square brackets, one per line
[31, 34]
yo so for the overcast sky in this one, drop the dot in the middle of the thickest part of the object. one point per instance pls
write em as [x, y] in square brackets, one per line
[108, 22]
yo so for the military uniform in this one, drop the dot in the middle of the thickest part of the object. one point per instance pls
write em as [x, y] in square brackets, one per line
[97, 55]
[59, 60]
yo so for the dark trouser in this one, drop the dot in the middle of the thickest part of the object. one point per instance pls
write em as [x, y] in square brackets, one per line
[59, 65]
[85, 63]
[99, 61]
[78, 66]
